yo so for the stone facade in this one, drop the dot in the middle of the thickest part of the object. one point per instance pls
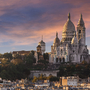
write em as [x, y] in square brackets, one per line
[40, 50]
[72, 47]
[42, 44]
[37, 73]
[71, 80]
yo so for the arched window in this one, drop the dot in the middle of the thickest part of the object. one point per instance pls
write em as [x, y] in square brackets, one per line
[44, 75]
[63, 59]
[38, 75]
[59, 59]
[80, 58]
[73, 51]
[61, 51]
[50, 74]
[56, 59]
[79, 31]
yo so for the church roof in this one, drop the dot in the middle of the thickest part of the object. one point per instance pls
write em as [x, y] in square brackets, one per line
[41, 42]
[81, 22]
[38, 46]
[21, 52]
[69, 26]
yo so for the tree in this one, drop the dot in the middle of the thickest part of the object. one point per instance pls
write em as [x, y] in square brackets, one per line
[29, 60]
[46, 56]
[16, 61]
[40, 77]
[7, 55]
[43, 62]
[4, 74]
[53, 78]
[32, 52]
[83, 62]
[1, 55]
[17, 56]
[34, 79]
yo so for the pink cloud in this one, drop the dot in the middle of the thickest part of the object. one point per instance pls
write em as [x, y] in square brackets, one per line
[28, 36]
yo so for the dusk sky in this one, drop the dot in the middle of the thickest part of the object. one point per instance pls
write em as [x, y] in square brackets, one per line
[23, 22]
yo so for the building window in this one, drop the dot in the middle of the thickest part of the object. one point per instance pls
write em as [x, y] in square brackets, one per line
[61, 51]
[79, 31]
[56, 59]
[50, 74]
[39, 75]
[44, 74]
[80, 58]
[63, 59]
[60, 59]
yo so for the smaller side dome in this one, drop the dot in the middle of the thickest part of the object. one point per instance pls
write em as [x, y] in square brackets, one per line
[56, 40]
[74, 39]
[38, 46]
[81, 22]
[41, 43]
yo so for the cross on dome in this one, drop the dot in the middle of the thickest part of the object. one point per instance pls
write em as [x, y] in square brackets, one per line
[56, 34]
[69, 16]
[81, 16]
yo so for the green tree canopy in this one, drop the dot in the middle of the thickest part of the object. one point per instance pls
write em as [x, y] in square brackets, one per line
[7, 55]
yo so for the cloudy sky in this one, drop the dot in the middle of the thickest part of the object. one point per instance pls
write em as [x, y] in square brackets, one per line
[23, 22]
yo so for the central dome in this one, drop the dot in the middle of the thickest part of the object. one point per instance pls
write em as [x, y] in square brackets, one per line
[69, 26]
[68, 30]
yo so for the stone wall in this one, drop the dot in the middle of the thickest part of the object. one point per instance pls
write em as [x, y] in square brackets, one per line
[37, 73]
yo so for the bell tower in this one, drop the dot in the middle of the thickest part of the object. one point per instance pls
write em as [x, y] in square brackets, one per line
[81, 34]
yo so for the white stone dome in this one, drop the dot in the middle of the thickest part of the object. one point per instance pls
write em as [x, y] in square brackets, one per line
[41, 43]
[74, 40]
[69, 26]
[68, 31]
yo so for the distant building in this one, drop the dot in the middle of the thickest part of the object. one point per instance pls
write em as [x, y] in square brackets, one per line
[37, 73]
[22, 53]
[40, 51]
[69, 81]
[42, 44]
[72, 47]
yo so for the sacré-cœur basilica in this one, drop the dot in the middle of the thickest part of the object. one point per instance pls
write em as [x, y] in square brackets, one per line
[72, 46]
